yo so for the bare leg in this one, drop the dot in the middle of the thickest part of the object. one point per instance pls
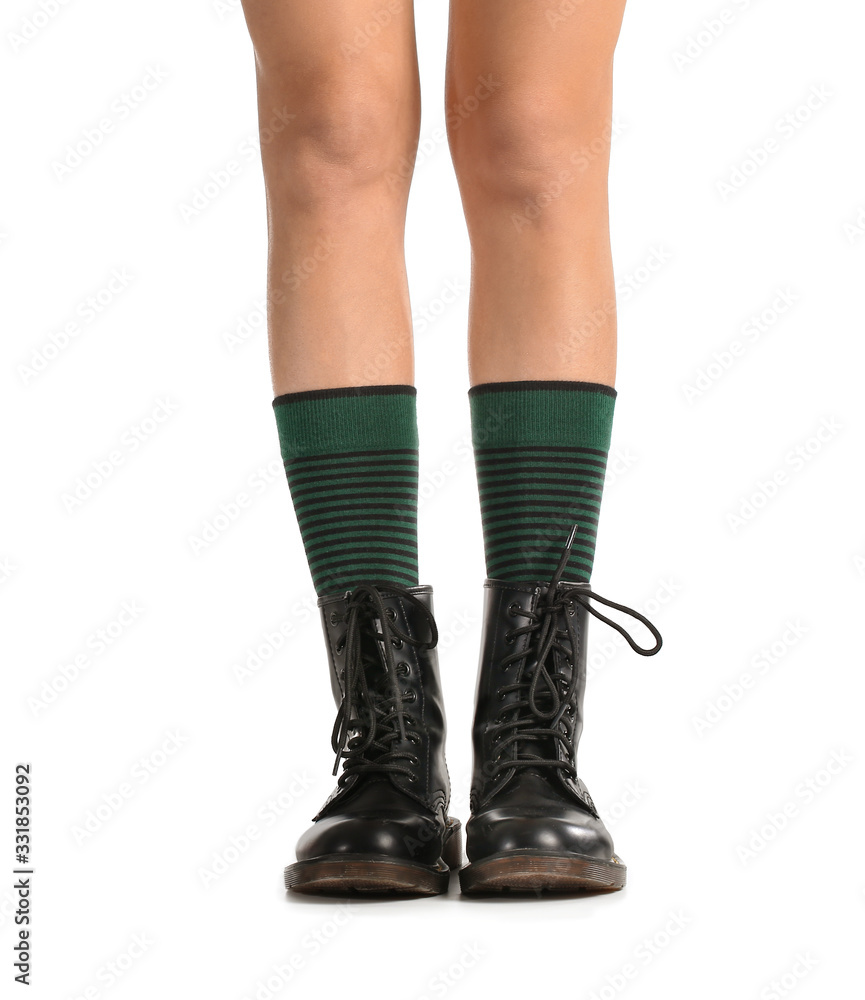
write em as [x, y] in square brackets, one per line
[342, 78]
[532, 162]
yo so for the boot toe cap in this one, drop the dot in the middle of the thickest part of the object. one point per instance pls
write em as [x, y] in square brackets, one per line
[501, 831]
[534, 813]
[407, 837]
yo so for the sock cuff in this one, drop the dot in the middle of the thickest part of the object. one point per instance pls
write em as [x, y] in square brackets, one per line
[542, 413]
[348, 390]
[347, 419]
[546, 385]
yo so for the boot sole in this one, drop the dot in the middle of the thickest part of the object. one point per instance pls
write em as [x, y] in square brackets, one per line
[341, 874]
[529, 871]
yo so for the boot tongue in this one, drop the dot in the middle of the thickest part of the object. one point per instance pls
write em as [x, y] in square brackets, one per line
[379, 682]
[530, 784]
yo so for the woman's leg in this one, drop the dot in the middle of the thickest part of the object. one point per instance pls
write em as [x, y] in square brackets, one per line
[531, 157]
[342, 77]
[532, 164]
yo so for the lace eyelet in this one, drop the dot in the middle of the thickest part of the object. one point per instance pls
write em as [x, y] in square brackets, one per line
[396, 643]
[509, 639]
[409, 696]
[571, 609]
[513, 608]
[390, 613]
[413, 738]
[334, 620]
[414, 760]
[402, 668]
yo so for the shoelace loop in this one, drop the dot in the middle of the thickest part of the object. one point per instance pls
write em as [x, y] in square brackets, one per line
[380, 718]
[546, 694]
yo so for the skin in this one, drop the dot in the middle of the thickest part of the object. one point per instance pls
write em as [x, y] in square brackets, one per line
[529, 98]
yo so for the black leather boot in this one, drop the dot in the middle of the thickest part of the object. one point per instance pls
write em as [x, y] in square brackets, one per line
[385, 828]
[533, 825]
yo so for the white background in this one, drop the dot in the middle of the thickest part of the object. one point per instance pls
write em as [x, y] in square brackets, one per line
[739, 873]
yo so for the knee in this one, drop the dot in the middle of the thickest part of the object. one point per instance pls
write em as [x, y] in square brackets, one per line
[523, 140]
[343, 133]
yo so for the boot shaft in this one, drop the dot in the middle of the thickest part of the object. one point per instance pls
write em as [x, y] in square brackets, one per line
[508, 662]
[415, 670]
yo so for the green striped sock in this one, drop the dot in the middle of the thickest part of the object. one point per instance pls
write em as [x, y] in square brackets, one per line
[540, 453]
[351, 459]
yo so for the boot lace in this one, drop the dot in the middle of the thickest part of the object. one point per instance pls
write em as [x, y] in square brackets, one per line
[372, 715]
[540, 722]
